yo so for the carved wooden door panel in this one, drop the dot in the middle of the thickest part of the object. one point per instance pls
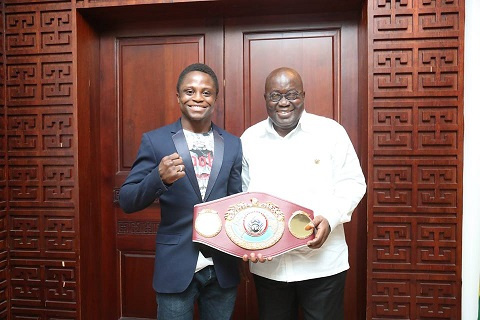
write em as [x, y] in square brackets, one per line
[324, 51]
[140, 67]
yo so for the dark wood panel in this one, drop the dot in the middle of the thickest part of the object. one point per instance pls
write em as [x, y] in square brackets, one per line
[302, 50]
[38, 92]
[415, 159]
[138, 296]
[4, 303]
[90, 227]
[304, 42]
[362, 119]
[324, 50]
[147, 85]
[112, 13]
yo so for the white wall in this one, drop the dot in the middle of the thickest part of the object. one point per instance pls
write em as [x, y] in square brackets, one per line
[471, 169]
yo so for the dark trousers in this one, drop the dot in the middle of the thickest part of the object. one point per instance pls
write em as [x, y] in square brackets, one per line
[214, 302]
[320, 299]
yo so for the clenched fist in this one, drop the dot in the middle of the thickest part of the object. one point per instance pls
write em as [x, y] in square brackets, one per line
[171, 168]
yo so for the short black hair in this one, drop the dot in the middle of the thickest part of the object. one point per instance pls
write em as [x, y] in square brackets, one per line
[198, 67]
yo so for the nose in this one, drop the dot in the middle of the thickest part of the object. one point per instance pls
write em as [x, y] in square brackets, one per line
[197, 96]
[283, 101]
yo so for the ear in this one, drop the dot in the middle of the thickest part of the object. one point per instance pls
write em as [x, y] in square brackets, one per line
[178, 98]
[265, 96]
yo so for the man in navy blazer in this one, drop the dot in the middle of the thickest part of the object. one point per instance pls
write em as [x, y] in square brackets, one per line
[183, 164]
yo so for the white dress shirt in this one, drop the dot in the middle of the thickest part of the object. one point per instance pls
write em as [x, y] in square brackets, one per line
[315, 166]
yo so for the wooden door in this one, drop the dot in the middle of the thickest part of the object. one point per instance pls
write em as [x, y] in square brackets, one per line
[323, 49]
[140, 65]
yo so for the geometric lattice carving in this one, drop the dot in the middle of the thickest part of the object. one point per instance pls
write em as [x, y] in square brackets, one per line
[415, 166]
[393, 128]
[393, 243]
[393, 299]
[42, 185]
[411, 297]
[435, 244]
[43, 285]
[441, 66]
[393, 70]
[415, 186]
[45, 31]
[59, 235]
[39, 136]
[428, 292]
[416, 128]
[3, 182]
[420, 69]
[40, 80]
[45, 236]
[137, 227]
[438, 128]
[415, 19]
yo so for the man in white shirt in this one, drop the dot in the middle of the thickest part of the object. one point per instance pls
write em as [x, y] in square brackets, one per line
[308, 160]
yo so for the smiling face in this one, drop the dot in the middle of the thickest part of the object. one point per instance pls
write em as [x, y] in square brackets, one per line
[284, 97]
[196, 97]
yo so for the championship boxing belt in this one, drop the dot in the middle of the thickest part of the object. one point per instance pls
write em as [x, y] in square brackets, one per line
[251, 222]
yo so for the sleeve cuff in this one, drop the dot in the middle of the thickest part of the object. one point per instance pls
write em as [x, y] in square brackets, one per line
[160, 186]
[333, 220]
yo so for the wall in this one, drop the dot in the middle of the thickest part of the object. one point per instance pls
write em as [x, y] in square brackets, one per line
[415, 160]
[3, 182]
[415, 194]
[39, 86]
[471, 212]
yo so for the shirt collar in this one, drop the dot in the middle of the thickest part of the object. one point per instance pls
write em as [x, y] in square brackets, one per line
[303, 125]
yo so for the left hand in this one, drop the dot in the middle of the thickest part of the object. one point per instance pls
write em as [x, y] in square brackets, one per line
[256, 258]
[322, 231]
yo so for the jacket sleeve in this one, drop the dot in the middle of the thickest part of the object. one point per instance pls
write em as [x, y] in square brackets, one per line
[235, 179]
[143, 184]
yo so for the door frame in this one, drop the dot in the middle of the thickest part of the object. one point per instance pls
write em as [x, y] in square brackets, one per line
[95, 296]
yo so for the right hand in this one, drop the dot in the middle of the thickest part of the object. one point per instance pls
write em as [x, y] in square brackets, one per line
[171, 168]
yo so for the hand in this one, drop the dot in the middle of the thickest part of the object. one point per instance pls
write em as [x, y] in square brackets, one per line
[256, 258]
[322, 231]
[171, 168]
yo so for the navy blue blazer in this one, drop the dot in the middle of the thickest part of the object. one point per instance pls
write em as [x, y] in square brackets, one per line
[176, 255]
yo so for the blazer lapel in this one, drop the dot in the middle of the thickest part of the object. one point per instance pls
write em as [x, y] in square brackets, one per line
[182, 149]
[217, 161]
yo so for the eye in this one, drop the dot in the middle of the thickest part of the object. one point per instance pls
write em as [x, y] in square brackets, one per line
[291, 95]
[207, 93]
[188, 92]
[275, 96]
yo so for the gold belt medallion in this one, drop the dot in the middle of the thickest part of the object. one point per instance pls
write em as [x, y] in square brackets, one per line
[208, 223]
